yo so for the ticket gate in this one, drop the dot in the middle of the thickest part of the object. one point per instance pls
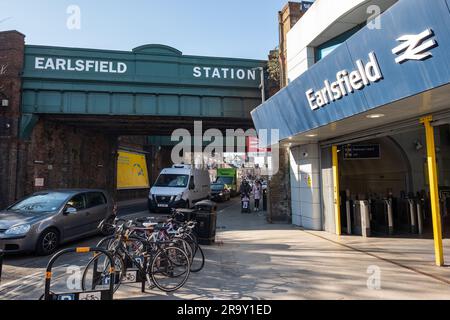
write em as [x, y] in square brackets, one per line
[383, 216]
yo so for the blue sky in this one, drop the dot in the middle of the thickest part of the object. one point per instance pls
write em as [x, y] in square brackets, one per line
[230, 28]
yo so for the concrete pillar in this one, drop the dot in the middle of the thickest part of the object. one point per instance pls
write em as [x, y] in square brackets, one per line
[328, 215]
[305, 186]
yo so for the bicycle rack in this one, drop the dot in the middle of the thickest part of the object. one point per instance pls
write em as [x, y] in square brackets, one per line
[132, 275]
[85, 295]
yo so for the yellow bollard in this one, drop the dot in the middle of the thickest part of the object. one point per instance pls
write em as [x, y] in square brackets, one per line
[434, 190]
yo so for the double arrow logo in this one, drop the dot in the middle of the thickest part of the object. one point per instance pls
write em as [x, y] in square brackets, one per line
[414, 47]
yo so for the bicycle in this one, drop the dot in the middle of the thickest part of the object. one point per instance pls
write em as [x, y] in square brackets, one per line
[157, 261]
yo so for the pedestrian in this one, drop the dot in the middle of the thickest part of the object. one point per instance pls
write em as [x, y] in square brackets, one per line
[245, 191]
[257, 192]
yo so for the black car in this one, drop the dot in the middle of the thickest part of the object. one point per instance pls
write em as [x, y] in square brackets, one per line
[220, 192]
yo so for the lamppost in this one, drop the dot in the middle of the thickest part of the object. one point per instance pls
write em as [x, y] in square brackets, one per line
[262, 86]
[267, 193]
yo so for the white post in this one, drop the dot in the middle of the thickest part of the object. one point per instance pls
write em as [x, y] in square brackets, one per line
[349, 221]
[412, 213]
[419, 217]
[365, 218]
[390, 216]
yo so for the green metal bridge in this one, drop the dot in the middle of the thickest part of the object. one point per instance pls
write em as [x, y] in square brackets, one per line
[151, 90]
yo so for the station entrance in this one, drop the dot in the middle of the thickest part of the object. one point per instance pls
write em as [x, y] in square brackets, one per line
[385, 188]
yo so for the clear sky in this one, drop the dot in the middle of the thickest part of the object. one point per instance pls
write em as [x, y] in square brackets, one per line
[227, 28]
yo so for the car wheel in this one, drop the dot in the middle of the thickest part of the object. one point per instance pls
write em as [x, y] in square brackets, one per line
[48, 242]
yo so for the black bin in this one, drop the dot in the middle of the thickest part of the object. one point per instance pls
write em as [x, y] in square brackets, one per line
[183, 215]
[206, 217]
[1, 263]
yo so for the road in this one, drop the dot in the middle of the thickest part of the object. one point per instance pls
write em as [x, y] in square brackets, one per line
[23, 275]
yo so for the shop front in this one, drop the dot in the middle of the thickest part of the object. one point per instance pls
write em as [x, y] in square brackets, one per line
[368, 129]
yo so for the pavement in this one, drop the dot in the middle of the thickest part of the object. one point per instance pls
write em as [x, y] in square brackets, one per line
[256, 260]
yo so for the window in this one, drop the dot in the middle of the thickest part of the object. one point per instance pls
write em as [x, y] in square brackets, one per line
[192, 183]
[40, 203]
[95, 199]
[225, 180]
[326, 48]
[172, 180]
[78, 202]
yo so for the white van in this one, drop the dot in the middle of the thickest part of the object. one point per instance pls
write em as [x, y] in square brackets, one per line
[179, 187]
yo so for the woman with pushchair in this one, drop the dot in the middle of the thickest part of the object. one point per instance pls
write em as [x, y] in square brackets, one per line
[245, 191]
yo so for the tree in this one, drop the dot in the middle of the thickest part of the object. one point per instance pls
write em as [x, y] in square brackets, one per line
[273, 66]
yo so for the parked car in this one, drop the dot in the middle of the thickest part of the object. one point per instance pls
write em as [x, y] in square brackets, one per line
[41, 222]
[180, 186]
[220, 192]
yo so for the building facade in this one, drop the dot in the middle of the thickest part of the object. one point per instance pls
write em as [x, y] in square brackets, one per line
[365, 118]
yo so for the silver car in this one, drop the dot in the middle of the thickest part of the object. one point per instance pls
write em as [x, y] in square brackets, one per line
[44, 220]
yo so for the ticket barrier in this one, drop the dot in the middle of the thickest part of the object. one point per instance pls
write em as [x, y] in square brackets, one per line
[411, 215]
[361, 218]
[382, 216]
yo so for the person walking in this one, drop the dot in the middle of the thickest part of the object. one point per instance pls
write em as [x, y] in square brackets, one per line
[245, 191]
[257, 193]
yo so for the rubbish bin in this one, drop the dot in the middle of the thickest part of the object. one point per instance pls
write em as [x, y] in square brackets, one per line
[1, 263]
[206, 217]
[183, 215]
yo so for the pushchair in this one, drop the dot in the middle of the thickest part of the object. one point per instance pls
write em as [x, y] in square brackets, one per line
[245, 204]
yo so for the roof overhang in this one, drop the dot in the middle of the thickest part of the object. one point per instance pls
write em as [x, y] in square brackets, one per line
[414, 87]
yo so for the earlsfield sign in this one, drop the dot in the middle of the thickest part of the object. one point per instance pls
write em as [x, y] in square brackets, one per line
[79, 65]
[347, 82]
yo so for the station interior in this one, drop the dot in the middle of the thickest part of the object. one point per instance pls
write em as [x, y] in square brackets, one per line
[392, 189]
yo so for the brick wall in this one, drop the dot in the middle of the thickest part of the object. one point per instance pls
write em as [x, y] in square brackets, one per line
[68, 157]
[11, 64]
[279, 191]
[287, 18]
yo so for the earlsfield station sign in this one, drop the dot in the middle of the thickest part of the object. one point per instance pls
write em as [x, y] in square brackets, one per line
[346, 83]
[102, 66]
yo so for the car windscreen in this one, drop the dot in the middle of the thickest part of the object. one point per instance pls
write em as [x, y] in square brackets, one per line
[39, 203]
[172, 180]
[225, 180]
[217, 187]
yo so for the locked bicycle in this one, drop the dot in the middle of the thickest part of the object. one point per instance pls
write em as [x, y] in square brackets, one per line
[163, 263]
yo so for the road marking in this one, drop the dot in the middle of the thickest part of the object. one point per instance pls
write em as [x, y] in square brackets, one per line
[31, 281]
[20, 279]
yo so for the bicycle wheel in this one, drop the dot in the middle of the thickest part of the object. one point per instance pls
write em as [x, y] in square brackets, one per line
[96, 274]
[169, 269]
[198, 260]
[184, 245]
